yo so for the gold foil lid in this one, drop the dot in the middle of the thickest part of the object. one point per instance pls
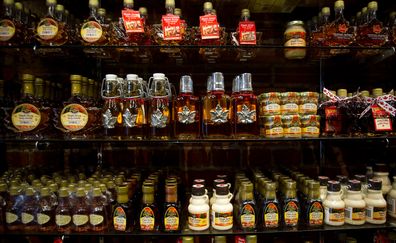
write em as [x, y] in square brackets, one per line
[110, 185]
[39, 81]
[208, 6]
[60, 8]
[342, 93]
[129, 2]
[122, 190]
[177, 12]
[45, 191]
[97, 192]
[63, 192]
[377, 92]
[8, 2]
[143, 11]
[51, 2]
[53, 187]
[325, 11]
[103, 188]
[27, 77]
[14, 191]
[245, 12]
[80, 192]
[339, 5]
[102, 11]
[75, 77]
[18, 6]
[373, 5]
[94, 3]
[170, 3]
[29, 191]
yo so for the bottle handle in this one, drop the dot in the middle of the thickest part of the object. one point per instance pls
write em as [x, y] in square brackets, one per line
[149, 94]
[230, 196]
[206, 197]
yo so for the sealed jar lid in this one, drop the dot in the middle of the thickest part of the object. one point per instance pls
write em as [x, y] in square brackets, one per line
[75, 77]
[365, 93]
[8, 2]
[217, 81]
[333, 186]
[222, 189]
[342, 93]
[18, 5]
[361, 178]
[131, 76]
[374, 184]
[198, 190]
[354, 185]
[295, 23]
[377, 92]
[122, 190]
[94, 3]
[59, 8]
[51, 2]
[245, 82]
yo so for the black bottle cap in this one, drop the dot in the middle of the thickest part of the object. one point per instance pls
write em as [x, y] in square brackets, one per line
[333, 186]
[222, 189]
[380, 167]
[323, 180]
[198, 190]
[374, 184]
[354, 185]
[224, 177]
[199, 181]
[342, 179]
[217, 182]
[361, 178]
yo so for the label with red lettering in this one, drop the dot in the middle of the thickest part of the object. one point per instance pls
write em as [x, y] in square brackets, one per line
[247, 33]
[209, 27]
[132, 21]
[171, 27]
[382, 122]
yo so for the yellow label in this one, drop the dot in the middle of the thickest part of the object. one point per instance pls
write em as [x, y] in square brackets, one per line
[62, 220]
[11, 217]
[147, 219]
[276, 132]
[119, 219]
[27, 218]
[222, 219]
[25, 117]
[47, 29]
[310, 131]
[198, 219]
[74, 117]
[308, 108]
[171, 219]
[42, 218]
[7, 30]
[335, 214]
[91, 31]
[289, 108]
[272, 109]
[79, 219]
[292, 132]
[95, 219]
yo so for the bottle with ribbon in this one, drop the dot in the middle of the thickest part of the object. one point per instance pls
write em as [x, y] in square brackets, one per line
[159, 107]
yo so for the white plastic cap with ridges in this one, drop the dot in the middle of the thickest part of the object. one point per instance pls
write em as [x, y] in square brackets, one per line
[131, 77]
[158, 76]
[111, 77]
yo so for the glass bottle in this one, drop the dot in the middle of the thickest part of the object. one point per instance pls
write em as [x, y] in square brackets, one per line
[92, 31]
[80, 212]
[134, 113]
[77, 118]
[246, 209]
[270, 217]
[11, 32]
[131, 27]
[171, 211]
[148, 214]
[216, 109]
[339, 33]
[45, 211]
[97, 213]
[111, 114]
[246, 29]
[314, 208]
[381, 123]
[63, 212]
[13, 207]
[123, 218]
[159, 110]
[48, 30]
[245, 109]
[169, 33]
[186, 114]
[291, 205]
[28, 210]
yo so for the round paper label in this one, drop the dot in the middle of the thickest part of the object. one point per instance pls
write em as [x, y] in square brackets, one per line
[74, 117]
[47, 29]
[7, 29]
[91, 31]
[25, 117]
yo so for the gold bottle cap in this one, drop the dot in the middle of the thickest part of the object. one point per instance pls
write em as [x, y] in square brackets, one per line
[170, 3]
[364, 10]
[269, 186]
[80, 192]
[8, 2]
[358, 14]
[63, 192]
[339, 4]
[110, 185]
[88, 187]
[392, 15]
[342, 93]
[103, 188]
[245, 13]
[373, 5]
[97, 192]
[208, 6]
[94, 3]
[220, 239]
[27, 77]
[18, 6]
[39, 81]
[325, 11]
[91, 81]
[122, 190]
[128, 2]
[53, 187]
[313, 185]
[291, 185]
[14, 191]
[75, 77]
[148, 188]
[102, 11]
[51, 2]
[143, 11]
[118, 181]
[60, 8]
[45, 191]
[177, 12]
[377, 92]
[72, 188]
[29, 191]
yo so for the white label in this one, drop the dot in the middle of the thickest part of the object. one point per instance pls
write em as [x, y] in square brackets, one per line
[27, 218]
[95, 219]
[382, 124]
[62, 220]
[42, 218]
[79, 219]
[11, 217]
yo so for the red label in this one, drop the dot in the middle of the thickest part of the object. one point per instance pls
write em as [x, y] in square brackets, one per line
[247, 33]
[342, 28]
[377, 28]
[382, 122]
[171, 27]
[331, 114]
[240, 239]
[132, 21]
[209, 27]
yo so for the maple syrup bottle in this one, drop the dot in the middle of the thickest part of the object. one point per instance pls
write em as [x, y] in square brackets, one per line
[171, 216]
[186, 114]
[381, 123]
[123, 217]
[270, 216]
[28, 210]
[244, 109]
[134, 111]
[10, 29]
[314, 208]
[111, 114]
[80, 212]
[132, 25]
[98, 213]
[48, 30]
[216, 109]
[247, 214]
[159, 110]
[291, 205]
[12, 211]
[148, 214]
[63, 212]
[92, 31]
[45, 211]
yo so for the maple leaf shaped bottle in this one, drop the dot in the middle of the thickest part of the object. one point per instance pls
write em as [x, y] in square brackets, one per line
[111, 113]
[216, 109]
[186, 111]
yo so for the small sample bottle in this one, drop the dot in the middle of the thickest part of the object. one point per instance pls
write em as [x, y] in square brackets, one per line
[354, 204]
[28, 211]
[222, 209]
[98, 213]
[291, 205]
[171, 209]
[148, 215]
[334, 206]
[198, 209]
[375, 203]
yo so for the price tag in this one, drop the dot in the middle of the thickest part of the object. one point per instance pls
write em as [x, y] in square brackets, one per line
[247, 33]
[209, 27]
[132, 21]
[171, 27]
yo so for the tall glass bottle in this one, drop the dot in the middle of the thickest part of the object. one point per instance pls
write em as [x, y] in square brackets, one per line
[130, 29]
[244, 109]
[271, 209]
[291, 205]
[111, 113]
[247, 215]
[171, 216]
[45, 211]
[28, 210]
[63, 212]
[13, 208]
[216, 109]
[11, 32]
[134, 113]
[29, 118]
[48, 30]
[80, 212]
[186, 111]
[159, 110]
[92, 31]
[148, 214]
[123, 218]
[98, 213]
[314, 208]
[381, 123]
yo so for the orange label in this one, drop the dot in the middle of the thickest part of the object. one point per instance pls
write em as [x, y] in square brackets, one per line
[119, 219]
[382, 122]
[198, 219]
[147, 219]
[316, 214]
[222, 219]
[171, 27]
[171, 219]
[271, 215]
[247, 33]
[291, 213]
[132, 21]
[248, 217]
[209, 27]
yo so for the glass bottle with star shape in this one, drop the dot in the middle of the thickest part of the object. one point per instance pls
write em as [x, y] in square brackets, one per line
[134, 112]
[111, 113]
[159, 109]
[186, 111]
[216, 109]
[244, 110]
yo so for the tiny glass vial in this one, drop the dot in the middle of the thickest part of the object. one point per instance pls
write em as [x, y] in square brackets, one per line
[375, 203]
[198, 209]
[354, 204]
[222, 209]
[334, 206]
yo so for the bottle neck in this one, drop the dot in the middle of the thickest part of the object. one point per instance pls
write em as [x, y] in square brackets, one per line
[207, 11]
[128, 6]
[325, 19]
[93, 12]
[51, 10]
[122, 198]
[18, 15]
[8, 10]
[84, 90]
[270, 195]
[148, 198]
[290, 193]
[75, 89]
[374, 194]
[91, 91]
[59, 16]
[246, 196]
[39, 91]
[372, 14]
[28, 88]
[314, 194]
[245, 18]
[354, 195]
[171, 198]
[339, 13]
[169, 9]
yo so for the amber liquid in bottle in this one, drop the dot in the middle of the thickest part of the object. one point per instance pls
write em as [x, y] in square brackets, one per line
[80, 216]
[291, 206]
[314, 208]
[12, 210]
[381, 122]
[148, 214]
[171, 216]
[271, 210]
[49, 30]
[98, 214]
[46, 211]
[111, 113]
[123, 218]
[28, 211]
[93, 32]
[186, 111]
[11, 26]
[63, 212]
[247, 215]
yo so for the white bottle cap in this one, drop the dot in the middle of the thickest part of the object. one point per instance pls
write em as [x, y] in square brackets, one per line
[131, 77]
[158, 76]
[111, 77]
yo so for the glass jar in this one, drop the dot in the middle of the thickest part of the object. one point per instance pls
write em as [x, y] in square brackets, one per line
[308, 103]
[310, 126]
[295, 36]
[270, 104]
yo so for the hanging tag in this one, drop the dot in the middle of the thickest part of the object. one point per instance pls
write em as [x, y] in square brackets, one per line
[171, 27]
[132, 21]
[382, 122]
[209, 27]
[247, 33]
